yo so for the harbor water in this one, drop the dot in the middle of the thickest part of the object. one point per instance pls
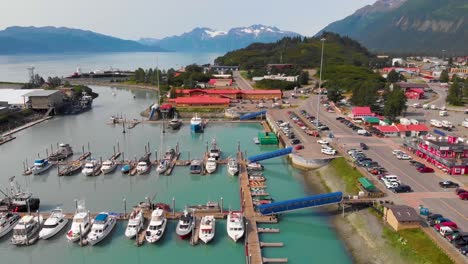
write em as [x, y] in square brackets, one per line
[307, 235]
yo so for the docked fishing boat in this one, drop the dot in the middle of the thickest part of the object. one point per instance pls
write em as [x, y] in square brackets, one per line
[18, 200]
[196, 124]
[170, 154]
[108, 166]
[257, 178]
[254, 166]
[196, 166]
[40, 166]
[8, 220]
[214, 151]
[211, 165]
[207, 228]
[103, 224]
[26, 232]
[144, 164]
[64, 151]
[235, 225]
[208, 207]
[163, 166]
[232, 166]
[135, 223]
[53, 224]
[157, 226]
[175, 123]
[81, 223]
[185, 225]
[91, 167]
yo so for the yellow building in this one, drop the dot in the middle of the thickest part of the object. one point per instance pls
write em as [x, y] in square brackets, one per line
[401, 217]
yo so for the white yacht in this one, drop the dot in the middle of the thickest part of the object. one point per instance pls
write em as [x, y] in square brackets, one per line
[7, 222]
[195, 166]
[163, 166]
[207, 228]
[196, 124]
[254, 166]
[108, 166]
[102, 226]
[235, 225]
[232, 166]
[215, 152]
[40, 166]
[81, 224]
[211, 165]
[90, 168]
[26, 232]
[142, 167]
[53, 224]
[157, 226]
[185, 225]
[135, 223]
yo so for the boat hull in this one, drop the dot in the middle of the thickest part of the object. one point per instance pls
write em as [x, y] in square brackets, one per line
[95, 240]
[196, 128]
[74, 237]
[33, 206]
[55, 231]
[37, 171]
[8, 229]
[109, 170]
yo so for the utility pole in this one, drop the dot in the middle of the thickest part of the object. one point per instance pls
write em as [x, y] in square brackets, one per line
[320, 81]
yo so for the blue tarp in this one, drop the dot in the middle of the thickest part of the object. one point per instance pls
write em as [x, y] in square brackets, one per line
[101, 217]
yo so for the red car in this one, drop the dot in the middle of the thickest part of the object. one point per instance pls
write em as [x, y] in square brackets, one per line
[463, 196]
[298, 147]
[425, 169]
[449, 224]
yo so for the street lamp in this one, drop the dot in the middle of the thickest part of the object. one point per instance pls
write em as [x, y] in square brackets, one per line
[320, 81]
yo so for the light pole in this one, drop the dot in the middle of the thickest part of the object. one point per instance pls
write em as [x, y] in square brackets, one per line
[320, 82]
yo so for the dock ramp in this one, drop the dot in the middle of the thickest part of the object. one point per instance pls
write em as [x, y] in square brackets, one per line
[253, 115]
[300, 203]
[272, 154]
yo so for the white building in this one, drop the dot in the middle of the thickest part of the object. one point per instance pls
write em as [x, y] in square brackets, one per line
[280, 77]
[401, 62]
[15, 97]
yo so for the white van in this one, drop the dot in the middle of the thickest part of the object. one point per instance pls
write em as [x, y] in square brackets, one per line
[433, 107]
[465, 123]
[425, 106]
[447, 124]
[443, 113]
[362, 132]
[392, 178]
[417, 105]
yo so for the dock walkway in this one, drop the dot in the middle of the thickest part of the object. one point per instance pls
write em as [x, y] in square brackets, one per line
[30, 124]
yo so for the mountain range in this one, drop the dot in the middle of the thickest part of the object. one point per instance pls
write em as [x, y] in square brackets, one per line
[207, 39]
[409, 26]
[14, 40]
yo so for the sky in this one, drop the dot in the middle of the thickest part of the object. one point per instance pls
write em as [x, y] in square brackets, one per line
[134, 19]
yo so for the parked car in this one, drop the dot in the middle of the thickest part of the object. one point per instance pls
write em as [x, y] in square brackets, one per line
[438, 221]
[425, 169]
[460, 241]
[328, 151]
[322, 141]
[403, 156]
[295, 141]
[450, 224]
[363, 146]
[390, 184]
[464, 250]
[402, 188]
[463, 196]
[460, 190]
[433, 217]
[299, 147]
[448, 184]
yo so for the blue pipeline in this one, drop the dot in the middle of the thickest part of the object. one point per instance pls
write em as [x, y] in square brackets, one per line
[272, 154]
[252, 115]
[300, 203]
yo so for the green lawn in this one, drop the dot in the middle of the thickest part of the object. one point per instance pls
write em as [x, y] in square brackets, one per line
[349, 174]
[415, 246]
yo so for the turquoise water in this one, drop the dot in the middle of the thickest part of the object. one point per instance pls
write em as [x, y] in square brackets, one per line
[307, 235]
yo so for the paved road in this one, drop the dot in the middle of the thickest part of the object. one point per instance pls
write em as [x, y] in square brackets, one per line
[425, 185]
[241, 82]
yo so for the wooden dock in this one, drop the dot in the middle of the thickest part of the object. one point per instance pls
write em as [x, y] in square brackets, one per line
[172, 164]
[196, 231]
[6, 139]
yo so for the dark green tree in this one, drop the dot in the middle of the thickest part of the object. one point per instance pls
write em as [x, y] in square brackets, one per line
[304, 77]
[444, 77]
[395, 103]
[455, 93]
[334, 94]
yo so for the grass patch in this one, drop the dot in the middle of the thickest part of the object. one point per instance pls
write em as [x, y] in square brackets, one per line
[416, 246]
[244, 75]
[349, 174]
[322, 182]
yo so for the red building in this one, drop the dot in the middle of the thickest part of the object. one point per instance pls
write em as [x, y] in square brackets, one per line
[361, 111]
[231, 93]
[414, 93]
[450, 156]
[200, 101]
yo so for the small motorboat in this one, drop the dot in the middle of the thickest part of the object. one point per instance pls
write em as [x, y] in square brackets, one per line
[215, 151]
[53, 224]
[254, 166]
[207, 228]
[163, 166]
[185, 225]
[235, 225]
[126, 168]
[26, 232]
[232, 166]
[64, 151]
[143, 167]
[157, 226]
[135, 223]
[8, 220]
[40, 166]
[103, 224]
[91, 168]
[108, 166]
[211, 165]
[196, 166]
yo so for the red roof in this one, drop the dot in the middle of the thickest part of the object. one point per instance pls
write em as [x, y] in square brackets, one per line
[166, 106]
[262, 92]
[200, 100]
[387, 129]
[419, 128]
[402, 128]
[362, 111]
[415, 90]
[208, 91]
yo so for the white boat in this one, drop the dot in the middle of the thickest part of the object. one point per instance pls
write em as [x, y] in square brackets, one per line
[254, 166]
[214, 152]
[207, 228]
[81, 223]
[90, 168]
[53, 224]
[163, 166]
[256, 141]
[40, 166]
[7, 222]
[26, 232]
[142, 167]
[135, 223]
[157, 226]
[102, 226]
[196, 124]
[108, 166]
[195, 166]
[235, 225]
[185, 225]
[211, 165]
[232, 166]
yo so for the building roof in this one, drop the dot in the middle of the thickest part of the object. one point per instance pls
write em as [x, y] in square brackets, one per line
[387, 129]
[262, 92]
[42, 93]
[14, 96]
[362, 110]
[413, 85]
[372, 119]
[404, 213]
[209, 91]
[166, 106]
[415, 128]
[200, 100]
[366, 183]
[415, 90]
